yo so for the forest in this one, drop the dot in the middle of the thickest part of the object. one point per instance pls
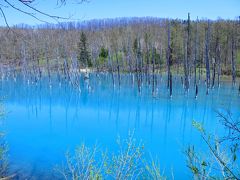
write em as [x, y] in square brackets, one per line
[145, 45]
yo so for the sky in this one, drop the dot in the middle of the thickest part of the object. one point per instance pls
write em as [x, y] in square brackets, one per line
[99, 9]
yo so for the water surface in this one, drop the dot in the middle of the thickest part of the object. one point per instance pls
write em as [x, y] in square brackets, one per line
[44, 122]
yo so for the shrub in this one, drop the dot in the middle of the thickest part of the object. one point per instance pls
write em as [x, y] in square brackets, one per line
[128, 163]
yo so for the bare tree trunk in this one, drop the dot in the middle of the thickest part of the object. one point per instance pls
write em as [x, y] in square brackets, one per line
[196, 54]
[233, 62]
[139, 67]
[112, 69]
[214, 72]
[129, 57]
[239, 89]
[141, 63]
[153, 70]
[186, 85]
[200, 69]
[118, 69]
[170, 83]
[218, 60]
[48, 71]
[187, 54]
[39, 69]
[24, 63]
[207, 57]
[147, 66]
[188, 51]
[168, 55]
[196, 91]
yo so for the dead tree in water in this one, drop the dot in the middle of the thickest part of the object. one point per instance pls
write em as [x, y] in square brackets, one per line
[196, 91]
[141, 64]
[218, 59]
[111, 66]
[58, 67]
[39, 69]
[66, 70]
[48, 68]
[196, 54]
[188, 48]
[187, 52]
[129, 56]
[168, 55]
[239, 89]
[207, 56]
[214, 72]
[153, 70]
[233, 60]
[138, 66]
[118, 69]
[146, 39]
[170, 84]
[24, 63]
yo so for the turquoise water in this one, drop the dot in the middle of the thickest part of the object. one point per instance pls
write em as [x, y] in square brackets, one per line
[44, 122]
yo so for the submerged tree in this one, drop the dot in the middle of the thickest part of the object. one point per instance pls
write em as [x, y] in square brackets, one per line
[233, 53]
[169, 55]
[207, 32]
[218, 59]
[187, 52]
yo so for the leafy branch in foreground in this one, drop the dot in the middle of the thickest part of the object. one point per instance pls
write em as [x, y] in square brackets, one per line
[232, 125]
[3, 157]
[128, 163]
[3, 149]
[222, 159]
[83, 165]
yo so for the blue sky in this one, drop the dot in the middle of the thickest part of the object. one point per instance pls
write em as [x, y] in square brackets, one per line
[98, 9]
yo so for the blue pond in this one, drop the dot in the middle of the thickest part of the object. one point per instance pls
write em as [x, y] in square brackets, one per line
[44, 122]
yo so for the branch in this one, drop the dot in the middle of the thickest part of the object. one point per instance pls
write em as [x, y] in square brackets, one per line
[41, 12]
[35, 11]
[4, 17]
[24, 12]
[219, 158]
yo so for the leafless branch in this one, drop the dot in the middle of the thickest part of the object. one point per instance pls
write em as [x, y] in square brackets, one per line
[4, 17]
[34, 12]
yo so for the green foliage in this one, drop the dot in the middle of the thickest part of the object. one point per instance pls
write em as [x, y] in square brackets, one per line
[83, 53]
[82, 165]
[198, 126]
[103, 53]
[127, 163]
[220, 156]
[135, 45]
[157, 57]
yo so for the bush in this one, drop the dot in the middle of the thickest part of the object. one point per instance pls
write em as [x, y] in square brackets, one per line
[128, 163]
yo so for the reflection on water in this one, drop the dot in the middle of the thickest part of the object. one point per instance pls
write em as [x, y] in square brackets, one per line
[43, 122]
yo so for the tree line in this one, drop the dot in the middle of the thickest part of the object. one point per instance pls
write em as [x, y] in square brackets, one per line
[192, 48]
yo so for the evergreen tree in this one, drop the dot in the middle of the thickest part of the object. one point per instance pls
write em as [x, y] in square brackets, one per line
[83, 54]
